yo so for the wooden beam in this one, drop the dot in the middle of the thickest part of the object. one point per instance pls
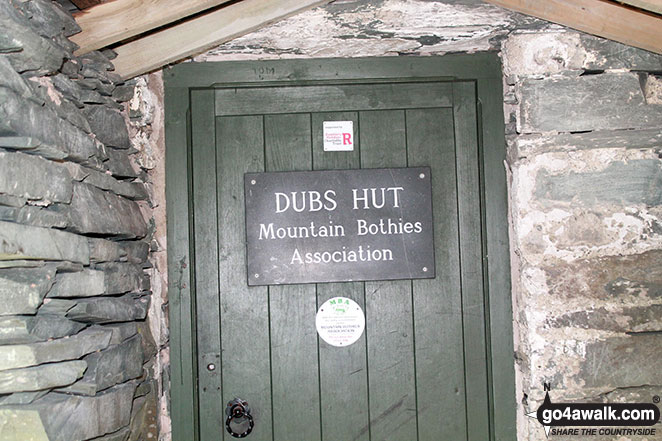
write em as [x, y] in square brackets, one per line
[203, 33]
[648, 5]
[118, 20]
[598, 17]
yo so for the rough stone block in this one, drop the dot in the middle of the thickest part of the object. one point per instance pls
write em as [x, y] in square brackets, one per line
[46, 376]
[21, 425]
[28, 329]
[620, 280]
[119, 164]
[121, 331]
[39, 55]
[11, 79]
[68, 348]
[25, 242]
[114, 365]
[122, 94]
[120, 435]
[22, 398]
[110, 309]
[536, 53]
[124, 277]
[34, 216]
[95, 211]
[86, 283]
[530, 145]
[23, 289]
[623, 362]
[608, 101]
[634, 182]
[12, 201]
[78, 418]
[17, 178]
[109, 126]
[19, 117]
[144, 418]
[102, 250]
[136, 251]
[50, 19]
[618, 319]
[104, 181]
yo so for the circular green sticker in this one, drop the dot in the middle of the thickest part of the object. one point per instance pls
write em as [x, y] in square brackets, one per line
[340, 321]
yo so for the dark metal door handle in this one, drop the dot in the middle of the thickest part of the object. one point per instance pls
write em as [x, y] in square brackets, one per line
[237, 411]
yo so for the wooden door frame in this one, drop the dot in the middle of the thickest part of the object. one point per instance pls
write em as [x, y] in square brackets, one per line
[483, 68]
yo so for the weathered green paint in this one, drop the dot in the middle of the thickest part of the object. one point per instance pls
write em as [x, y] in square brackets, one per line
[429, 365]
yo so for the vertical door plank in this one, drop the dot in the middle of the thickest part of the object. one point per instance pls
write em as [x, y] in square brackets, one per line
[390, 339]
[343, 372]
[295, 381]
[470, 219]
[183, 386]
[245, 333]
[205, 235]
[438, 301]
[502, 374]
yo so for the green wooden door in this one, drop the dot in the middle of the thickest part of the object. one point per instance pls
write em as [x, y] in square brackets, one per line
[422, 369]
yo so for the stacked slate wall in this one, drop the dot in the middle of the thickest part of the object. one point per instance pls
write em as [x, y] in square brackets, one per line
[76, 350]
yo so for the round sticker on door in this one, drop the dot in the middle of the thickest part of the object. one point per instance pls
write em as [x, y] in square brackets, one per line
[340, 321]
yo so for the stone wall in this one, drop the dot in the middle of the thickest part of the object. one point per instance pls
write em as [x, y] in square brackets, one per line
[584, 124]
[76, 348]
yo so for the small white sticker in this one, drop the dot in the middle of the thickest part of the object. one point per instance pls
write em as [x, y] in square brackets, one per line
[338, 136]
[340, 321]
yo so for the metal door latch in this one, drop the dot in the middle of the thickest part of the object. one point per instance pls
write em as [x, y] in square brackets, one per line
[238, 412]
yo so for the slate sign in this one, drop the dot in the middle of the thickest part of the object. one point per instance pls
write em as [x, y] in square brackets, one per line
[341, 225]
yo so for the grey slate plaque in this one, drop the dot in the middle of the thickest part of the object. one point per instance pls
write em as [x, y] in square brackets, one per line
[336, 226]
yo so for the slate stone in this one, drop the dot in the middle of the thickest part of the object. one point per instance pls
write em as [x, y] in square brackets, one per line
[620, 319]
[22, 425]
[124, 93]
[104, 181]
[70, 69]
[32, 329]
[622, 362]
[76, 418]
[19, 117]
[11, 79]
[144, 423]
[608, 54]
[121, 278]
[51, 19]
[529, 145]
[110, 309]
[608, 101]
[102, 250]
[114, 365]
[25, 242]
[92, 97]
[39, 55]
[136, 251]
[68, 348]
[118, 164]
[68, 46]
[34, 215]
[617, 279]
[120, 435]
[17, 178]
[22, 398]
[634, 182]
[55, 307]
[121, 217]
[21, 264]
[97, 59]
[68, 88]
[86, 283]
[23, 289]
[12, 201]
[121, 331]
[64, 108]
[46, 376]
[109, 126]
